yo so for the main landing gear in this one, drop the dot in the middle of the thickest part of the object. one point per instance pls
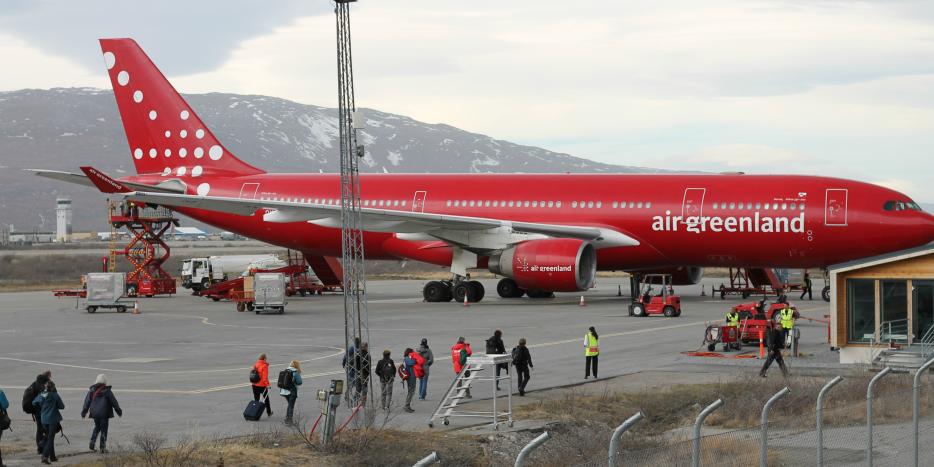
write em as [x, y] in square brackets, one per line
[455, 289]
[507, 288]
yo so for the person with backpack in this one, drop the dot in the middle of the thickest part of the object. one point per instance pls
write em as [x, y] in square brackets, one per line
[495, 345]
[522, 360]
[289, 381]
[429, 357]
[259, 380]
[407, 373]
[591, 352]
[29, 394]
[4, 419]
[50, 405]
[100, 403]
[459, 353]
[386, 371]
[362, 363]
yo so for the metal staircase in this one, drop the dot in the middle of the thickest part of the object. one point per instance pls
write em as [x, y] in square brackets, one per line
[478, 368]
[900, 352]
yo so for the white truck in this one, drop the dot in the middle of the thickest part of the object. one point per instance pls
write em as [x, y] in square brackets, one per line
[201, 273]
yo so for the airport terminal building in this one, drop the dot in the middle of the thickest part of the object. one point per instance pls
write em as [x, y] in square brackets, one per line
[883, 306]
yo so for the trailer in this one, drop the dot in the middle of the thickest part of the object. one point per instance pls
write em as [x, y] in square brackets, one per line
[104, 290]
[262, 291]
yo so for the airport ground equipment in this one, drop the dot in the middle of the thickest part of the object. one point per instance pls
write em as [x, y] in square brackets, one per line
[147, 251]
[473, 371]
[298, 281]
[722, 334]
[331, 400]
[262, 291]
[647, 302]
[104, 290]
[755, 281]
[201, 273]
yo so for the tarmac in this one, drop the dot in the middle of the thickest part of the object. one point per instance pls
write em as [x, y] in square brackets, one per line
[180, 367]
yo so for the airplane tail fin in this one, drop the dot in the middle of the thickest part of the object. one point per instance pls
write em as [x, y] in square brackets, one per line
[165, 135]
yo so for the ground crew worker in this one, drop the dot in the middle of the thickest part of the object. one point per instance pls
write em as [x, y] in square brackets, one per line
[775, 343]
[591, 352]
[806, 288]
[788, 321]
[459, 353]
[732, 318]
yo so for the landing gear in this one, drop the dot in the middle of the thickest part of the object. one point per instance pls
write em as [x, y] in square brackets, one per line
[540, 294]
[473, 290]
[507, 288]
[437, 291]
[444, 291]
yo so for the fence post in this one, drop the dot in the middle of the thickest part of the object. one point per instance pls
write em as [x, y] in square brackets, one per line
[618, 433]
[695, 453]
[428, 460]
[820, 418]
[538, 441]
[869, 395]
[916, 407]
[764, 443]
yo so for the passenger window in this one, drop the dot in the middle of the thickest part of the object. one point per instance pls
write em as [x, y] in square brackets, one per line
[732, 205]
[573, 204]
[648, 204]
[403, 203]
[794, 206]
[622, 205]
[551, 204]
[639, 205]
[758, 205]
[471, 203]
[495, 204]
[486, 203]
[632, 204]
[534, 204]
[774, 206]
[599, 204]
[615, 204]
[590, 204]
[511, 204]
[525, 204]
[715, 206]
[558, 204]
[784, 206]
[449, 203]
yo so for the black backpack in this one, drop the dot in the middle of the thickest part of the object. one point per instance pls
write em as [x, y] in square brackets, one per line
[516, 356]
[489, 347]
[5, 421]
[254, 376]
[28, 396]
[285, 380]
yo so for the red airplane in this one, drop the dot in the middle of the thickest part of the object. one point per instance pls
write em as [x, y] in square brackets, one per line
[543, 233]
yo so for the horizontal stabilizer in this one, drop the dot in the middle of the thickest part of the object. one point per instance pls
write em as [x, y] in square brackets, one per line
[103, 182]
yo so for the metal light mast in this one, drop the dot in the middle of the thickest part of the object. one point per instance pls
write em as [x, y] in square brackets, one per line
[356, 327]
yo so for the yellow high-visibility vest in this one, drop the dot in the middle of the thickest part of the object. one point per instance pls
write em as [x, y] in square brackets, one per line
[732, 318]
[788, 318]
[591, 345]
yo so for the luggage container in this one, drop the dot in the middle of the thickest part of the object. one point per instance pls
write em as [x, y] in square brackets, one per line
[104, 290]
[269, 292]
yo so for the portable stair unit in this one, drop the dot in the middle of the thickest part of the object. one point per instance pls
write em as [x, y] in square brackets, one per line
[479, 369]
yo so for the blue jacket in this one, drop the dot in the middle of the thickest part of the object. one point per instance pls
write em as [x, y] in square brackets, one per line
[4, 403]
[410, 366]
[50, 405]
[100, 402]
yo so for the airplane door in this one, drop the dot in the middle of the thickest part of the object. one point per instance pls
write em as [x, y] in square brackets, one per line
[418, 202]
[835, 207]
[693, 203]
[248, 190]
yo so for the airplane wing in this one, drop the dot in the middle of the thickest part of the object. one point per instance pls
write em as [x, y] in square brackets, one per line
[476, 233]
[169, 186]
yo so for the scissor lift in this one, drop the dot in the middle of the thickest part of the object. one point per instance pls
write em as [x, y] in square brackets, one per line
[147, 251]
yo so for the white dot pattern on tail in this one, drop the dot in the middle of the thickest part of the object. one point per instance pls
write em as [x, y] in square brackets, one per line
[138, 153]
[153, 114]
[182, 152]
[184, 115]
[181, 171]
[199, 134]
[199, 153]
[137, 96]
[110, 59]
[152, 153]
[123, 78]
[216, 152]
[204, 189]
[196, 171]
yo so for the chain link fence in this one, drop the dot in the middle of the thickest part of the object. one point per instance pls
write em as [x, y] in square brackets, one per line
[792, 433]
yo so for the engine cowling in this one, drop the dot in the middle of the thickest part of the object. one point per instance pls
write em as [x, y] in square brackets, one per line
[557, 265]
[681, 275]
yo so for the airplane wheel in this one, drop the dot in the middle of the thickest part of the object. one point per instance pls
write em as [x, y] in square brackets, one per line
[460, 291]
[507, 288]
[669, 311]
[478, 290]
[434, 291]
[825, 293]
[638, 309]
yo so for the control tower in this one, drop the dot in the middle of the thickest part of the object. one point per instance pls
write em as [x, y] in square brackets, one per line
[63, 220]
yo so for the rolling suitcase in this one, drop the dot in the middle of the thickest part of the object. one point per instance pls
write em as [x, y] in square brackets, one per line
[254, 410]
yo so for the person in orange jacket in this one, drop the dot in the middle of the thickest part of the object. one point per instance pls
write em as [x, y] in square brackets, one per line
[459, 353]
[261, 385]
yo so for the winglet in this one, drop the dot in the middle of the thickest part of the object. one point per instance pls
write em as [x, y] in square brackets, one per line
[104, 183]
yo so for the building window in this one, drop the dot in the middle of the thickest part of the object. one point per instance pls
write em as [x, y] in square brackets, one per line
[894, 302]
[860, 309]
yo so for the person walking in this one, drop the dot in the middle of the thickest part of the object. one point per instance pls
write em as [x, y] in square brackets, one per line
[408, 378]
[100, 403]
[29, 395]
[386, 371]
[5, 416]
[775, 342]
[347, 363]
[591, 352]
[50, 405]
[289, 381]
[363, 365]
[495, 345]
[429, 357]
[806, 287]
[787, 316]
[522, 360]
[459, 353]
[259, 381]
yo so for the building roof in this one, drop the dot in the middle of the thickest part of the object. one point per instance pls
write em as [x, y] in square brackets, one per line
[189, 231]
[882, 259]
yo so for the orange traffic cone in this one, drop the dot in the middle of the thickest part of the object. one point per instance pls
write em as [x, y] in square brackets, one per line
[761, 346]
[583, 302]
[465, 300]
[135, 308]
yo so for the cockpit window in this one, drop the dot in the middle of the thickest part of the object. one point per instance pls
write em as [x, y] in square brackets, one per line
[893, 205]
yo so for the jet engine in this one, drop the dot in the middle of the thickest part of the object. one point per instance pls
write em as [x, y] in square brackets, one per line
[558, 265]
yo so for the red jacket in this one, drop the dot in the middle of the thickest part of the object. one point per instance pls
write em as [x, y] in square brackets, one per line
[456, 355]
[419, 364]
[263, 369]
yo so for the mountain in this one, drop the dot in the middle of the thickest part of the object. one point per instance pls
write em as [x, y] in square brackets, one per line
[64, 128]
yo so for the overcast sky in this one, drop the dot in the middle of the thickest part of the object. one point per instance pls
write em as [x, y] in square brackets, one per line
[840, 88]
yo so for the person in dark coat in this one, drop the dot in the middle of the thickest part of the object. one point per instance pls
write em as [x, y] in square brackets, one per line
[50, 405]
[495, 345]
[362, 363]
[101, 403]
[429, 357]
[522, 360]
[4, 408]
[386, 370]
[29, 395]
[776, 342]
[806, 287]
